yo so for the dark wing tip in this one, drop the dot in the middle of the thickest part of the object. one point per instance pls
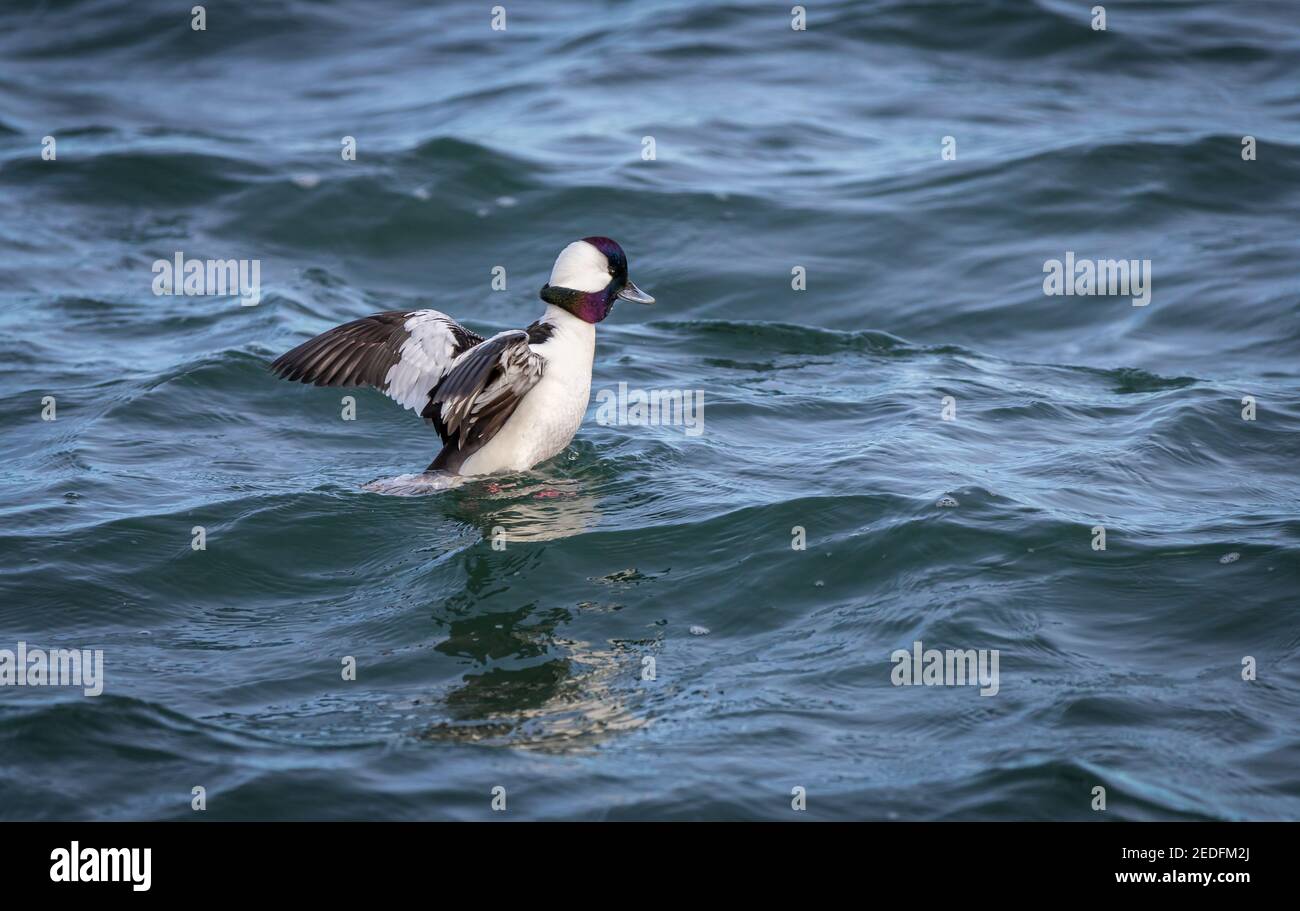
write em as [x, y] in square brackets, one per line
[294, 365]
[280, 366]
[335, 357]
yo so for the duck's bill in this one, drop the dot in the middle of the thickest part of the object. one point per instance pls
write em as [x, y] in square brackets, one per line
[634, 294]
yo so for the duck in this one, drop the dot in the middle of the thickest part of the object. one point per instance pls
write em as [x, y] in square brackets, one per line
[501, 404]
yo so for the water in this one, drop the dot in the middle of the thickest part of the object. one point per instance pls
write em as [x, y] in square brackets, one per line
[774, 148]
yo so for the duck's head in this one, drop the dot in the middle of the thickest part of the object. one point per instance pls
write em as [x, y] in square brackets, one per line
[588, 276]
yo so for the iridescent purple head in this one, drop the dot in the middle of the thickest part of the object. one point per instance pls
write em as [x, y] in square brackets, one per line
[588, 276]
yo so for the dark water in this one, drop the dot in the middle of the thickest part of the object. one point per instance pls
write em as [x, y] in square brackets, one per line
[775, 148]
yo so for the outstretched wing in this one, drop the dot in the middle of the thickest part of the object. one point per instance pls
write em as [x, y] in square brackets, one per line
[482, 390]
[402, 353]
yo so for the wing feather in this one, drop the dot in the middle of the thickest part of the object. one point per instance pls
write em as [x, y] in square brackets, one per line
[482, 390]
[402, 353]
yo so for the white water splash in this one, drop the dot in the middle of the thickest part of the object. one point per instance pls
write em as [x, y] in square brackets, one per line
[414, 485]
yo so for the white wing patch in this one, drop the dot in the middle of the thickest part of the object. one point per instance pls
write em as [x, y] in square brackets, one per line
[424, 358]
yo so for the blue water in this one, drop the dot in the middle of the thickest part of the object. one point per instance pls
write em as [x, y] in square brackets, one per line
[774, 149]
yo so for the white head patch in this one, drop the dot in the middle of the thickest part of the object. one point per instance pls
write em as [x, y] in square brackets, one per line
[582, 267]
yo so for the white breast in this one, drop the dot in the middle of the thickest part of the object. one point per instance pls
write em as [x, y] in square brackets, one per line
[552, 411]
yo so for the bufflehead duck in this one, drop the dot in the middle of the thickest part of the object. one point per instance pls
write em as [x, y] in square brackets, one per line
[499, 404]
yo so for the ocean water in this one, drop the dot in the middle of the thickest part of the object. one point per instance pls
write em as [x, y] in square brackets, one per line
[647, 549]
